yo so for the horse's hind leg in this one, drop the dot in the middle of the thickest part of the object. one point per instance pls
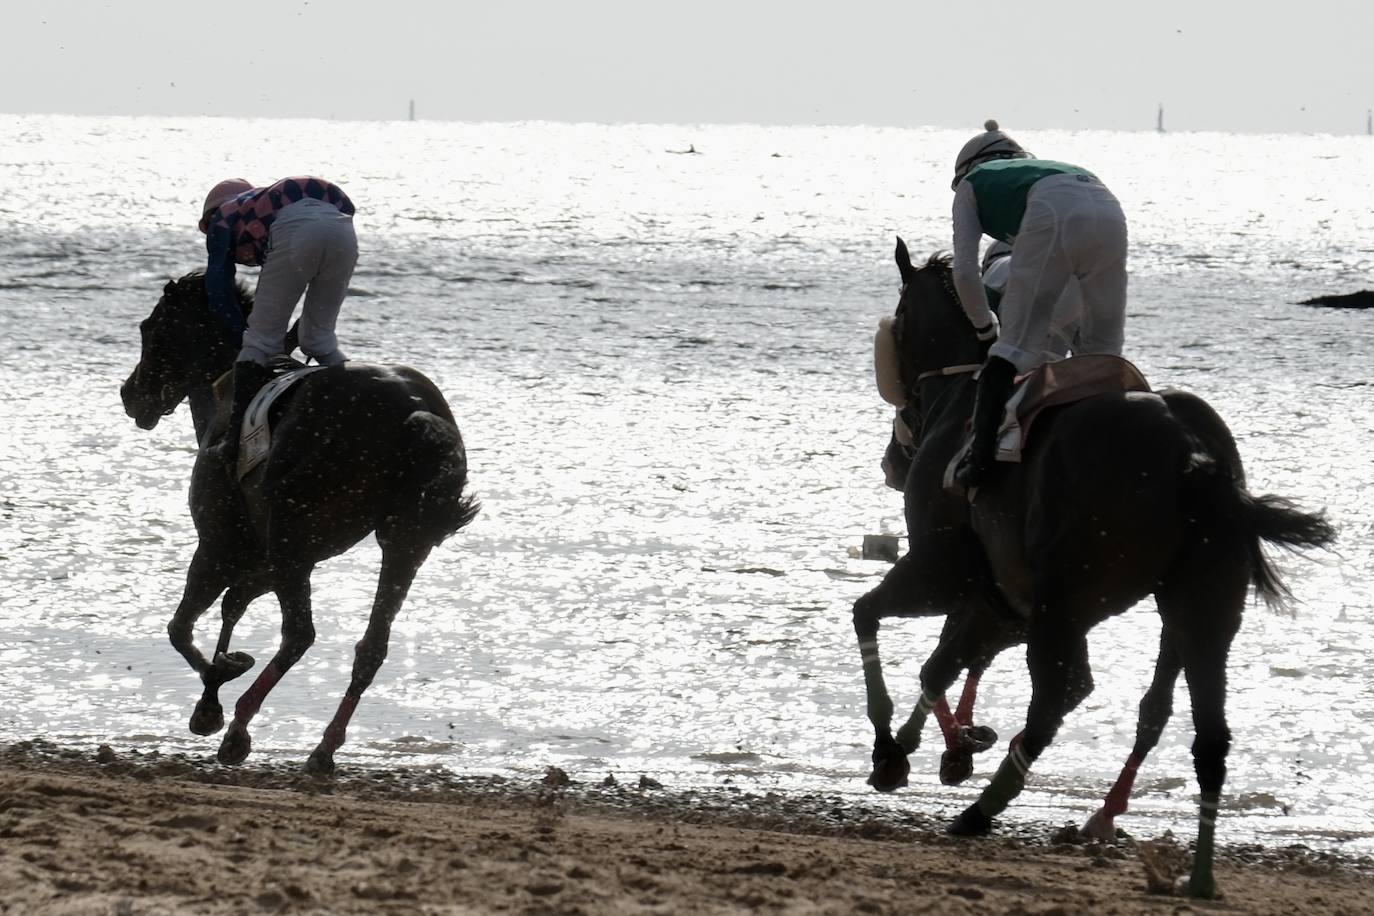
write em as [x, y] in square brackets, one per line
[208, 717]
[1204, 647]
[1057, 656]
[399, 565]
[297, 635]
[1155, 709]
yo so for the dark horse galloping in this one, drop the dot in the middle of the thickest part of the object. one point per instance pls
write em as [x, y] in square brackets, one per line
[1116, 498]
[355, 449]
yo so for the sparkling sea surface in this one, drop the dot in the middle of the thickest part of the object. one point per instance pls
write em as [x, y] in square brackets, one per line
[661, 364]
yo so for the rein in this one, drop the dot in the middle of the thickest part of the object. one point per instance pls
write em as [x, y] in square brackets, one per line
[950, 370]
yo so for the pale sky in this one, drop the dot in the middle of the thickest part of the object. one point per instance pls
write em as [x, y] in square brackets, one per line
[1237, 66]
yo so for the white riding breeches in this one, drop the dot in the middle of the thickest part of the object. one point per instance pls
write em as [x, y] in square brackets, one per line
[1062, 335]
[1073, 234]
[311, 250]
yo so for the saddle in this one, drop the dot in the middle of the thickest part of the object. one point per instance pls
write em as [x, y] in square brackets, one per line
[1054, 384]
[255, 438]
[1061, 382]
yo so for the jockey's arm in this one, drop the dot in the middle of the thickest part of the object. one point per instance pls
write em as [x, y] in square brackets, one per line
[219, 281]
[968, 279]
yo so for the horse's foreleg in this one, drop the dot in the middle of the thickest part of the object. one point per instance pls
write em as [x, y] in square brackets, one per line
[398, 572]
[1155, 709]
[297, 635]
[963, 739]
[937, 674]
[968, 641]
[1057, 657]
[966, 635]
[208, 717]
[890, 765]
[973, 739]
[963, 713]
[205, 579]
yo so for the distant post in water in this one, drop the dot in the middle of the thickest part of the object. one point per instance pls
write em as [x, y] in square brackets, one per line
[412, 109]
[1159, 119]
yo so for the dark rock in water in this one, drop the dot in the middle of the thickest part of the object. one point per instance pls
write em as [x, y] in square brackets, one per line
[1364, 299]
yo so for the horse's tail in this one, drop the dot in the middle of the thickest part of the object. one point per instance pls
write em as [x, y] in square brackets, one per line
[438, 474]
[1217, 482]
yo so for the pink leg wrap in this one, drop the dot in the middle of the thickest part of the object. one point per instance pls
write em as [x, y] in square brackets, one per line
[251, 701]
[964, 712]
[338, 726]
[949, 725]
[1117, 798]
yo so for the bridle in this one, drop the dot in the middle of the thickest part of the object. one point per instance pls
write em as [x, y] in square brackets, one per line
[947, 283]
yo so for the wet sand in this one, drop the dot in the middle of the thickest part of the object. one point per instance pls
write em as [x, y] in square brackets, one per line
[124, 834]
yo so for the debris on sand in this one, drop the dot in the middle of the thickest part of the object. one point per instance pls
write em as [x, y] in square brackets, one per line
[1165, 862]
[884, 547]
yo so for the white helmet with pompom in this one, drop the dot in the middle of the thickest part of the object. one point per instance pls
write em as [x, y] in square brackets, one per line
[991, 144]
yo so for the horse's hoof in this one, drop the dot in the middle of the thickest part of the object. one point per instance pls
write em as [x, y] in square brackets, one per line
[229, 665]
[890, 773]
[971, 823]
[976, 738]
[320, 763]
[235, 747]
[955, 767]
[1100, 827]
[207, 718]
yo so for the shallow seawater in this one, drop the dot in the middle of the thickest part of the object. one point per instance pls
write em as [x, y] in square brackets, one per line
[661, 366]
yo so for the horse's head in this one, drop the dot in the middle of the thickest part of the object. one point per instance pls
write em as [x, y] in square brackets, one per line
[932, 332]
[929, 335]
[183, 346]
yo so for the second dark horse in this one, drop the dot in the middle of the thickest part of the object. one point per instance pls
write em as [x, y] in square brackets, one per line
[1116, 498]
[355, 449]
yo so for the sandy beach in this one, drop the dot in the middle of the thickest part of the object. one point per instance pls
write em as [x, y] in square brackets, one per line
[124, 834]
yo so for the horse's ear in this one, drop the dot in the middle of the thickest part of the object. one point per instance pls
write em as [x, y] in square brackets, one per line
[904, 261]
[170, 288]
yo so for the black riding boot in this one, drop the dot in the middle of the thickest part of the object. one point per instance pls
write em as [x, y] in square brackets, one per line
[995, 382]
[249, 377]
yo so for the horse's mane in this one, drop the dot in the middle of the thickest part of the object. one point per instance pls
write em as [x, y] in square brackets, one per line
[943, 259]
[193, 285]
